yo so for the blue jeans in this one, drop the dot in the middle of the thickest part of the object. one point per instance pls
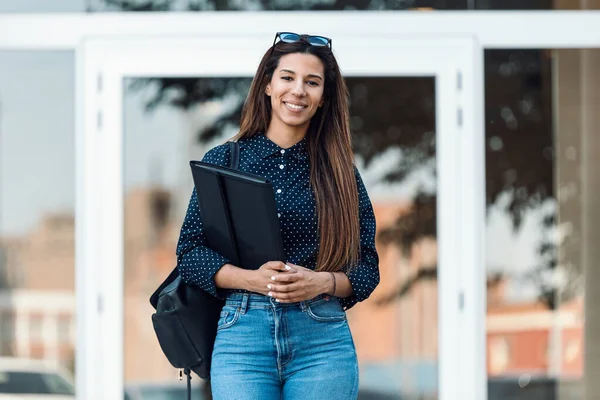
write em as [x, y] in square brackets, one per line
[266, 350]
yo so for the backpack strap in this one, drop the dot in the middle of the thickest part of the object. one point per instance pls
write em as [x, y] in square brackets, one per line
[234, 151]
[189, 383]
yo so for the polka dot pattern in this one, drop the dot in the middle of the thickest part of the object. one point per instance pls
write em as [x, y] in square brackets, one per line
[288, 170]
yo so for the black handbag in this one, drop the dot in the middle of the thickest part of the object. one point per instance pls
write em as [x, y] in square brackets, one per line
[185, 321]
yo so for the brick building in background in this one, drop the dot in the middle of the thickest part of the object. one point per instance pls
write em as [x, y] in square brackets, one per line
[531, 339]
[37, 302]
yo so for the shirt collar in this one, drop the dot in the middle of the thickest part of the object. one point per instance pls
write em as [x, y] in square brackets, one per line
[264, 147]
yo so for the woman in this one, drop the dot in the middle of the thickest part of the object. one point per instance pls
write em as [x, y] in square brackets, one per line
[283, 331]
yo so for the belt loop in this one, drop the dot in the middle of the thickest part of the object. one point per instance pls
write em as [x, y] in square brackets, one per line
[303, 305]
[244, 305]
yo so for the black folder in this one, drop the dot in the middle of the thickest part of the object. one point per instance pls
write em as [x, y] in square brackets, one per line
[239, 215]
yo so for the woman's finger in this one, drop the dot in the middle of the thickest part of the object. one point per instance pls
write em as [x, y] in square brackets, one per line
[282, 288]
[275, 266]
[292, 267]
[286, 278]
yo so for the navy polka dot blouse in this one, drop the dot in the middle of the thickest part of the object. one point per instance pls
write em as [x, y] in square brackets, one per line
[288, 169]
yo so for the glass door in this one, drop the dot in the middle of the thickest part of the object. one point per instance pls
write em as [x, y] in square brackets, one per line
[152, 104]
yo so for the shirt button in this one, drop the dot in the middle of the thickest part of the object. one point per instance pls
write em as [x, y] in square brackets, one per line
[281, 166]
[278, 190]
[282, 151]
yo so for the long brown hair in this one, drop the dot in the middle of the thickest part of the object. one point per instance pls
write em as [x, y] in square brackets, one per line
[330, 153]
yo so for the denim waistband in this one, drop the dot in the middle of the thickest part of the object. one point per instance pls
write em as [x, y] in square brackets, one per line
[245, 300]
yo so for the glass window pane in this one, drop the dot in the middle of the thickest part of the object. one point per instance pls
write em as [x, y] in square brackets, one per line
[37, 203]
[542, 149]
[36, 328]
[64, 328]
[7, 327]
[393, 122]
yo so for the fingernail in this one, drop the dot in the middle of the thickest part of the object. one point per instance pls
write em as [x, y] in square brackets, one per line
[273, 278]
[277, 300]
[269, 286]
[270, 294]
[288, 267]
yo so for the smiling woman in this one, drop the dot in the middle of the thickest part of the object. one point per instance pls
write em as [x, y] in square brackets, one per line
[295, 131]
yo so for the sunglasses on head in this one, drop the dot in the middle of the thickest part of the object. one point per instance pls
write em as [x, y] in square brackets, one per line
[290, 37]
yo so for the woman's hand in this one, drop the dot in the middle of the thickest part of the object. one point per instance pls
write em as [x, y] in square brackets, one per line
[297, 284]
[259, 279]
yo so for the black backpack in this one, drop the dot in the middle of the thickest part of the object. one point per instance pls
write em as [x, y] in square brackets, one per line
[186, 318]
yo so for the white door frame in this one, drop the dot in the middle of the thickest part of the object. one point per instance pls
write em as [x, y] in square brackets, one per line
[455, 61]
[528, 29]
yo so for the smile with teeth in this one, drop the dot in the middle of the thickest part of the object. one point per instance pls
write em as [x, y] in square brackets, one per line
[294, 107]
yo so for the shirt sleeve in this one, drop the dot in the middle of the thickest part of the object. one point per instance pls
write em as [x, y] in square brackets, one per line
[197, 263]
[364, 278]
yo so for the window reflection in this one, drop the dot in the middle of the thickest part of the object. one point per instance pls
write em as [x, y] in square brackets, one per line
[37, 203]
[541, 180]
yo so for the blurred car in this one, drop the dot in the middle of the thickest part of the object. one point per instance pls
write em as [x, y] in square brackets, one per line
[27, 379]
[371, 394]
[527, 387]
[175, 390]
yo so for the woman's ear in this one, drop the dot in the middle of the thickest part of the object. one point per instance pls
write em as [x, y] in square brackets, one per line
[321, 102]
[268, 89]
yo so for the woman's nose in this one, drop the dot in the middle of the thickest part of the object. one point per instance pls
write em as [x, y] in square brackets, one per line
[298, 89]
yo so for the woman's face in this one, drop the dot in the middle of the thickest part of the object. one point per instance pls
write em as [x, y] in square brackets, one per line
[296, 90]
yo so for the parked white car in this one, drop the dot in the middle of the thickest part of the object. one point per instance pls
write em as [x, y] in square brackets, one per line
[27, 379]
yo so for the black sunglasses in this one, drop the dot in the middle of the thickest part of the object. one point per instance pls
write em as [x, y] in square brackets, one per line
[290, 37]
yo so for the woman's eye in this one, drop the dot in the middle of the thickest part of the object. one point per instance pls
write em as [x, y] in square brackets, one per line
[313, 83]
[286, 78]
